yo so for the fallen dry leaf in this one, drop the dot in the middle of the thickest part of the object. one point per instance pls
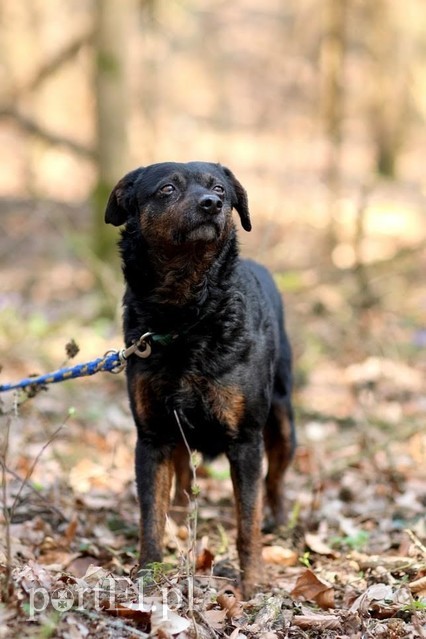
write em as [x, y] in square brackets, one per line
[323, 622]
[85, 475]
[164, 619]
[57, 559]
[376, 592]
[236, 634]
[70, 532]
[312, 588]
[382, 599]
[138, 612]
[156, 615]
[375, 369]
[316, 544]
[182, 532]
[204, 559]
[229, 602]
[94, 574]
[418, 586]
[80, 565]
[279, 556]
[34, 575]
[215, 617]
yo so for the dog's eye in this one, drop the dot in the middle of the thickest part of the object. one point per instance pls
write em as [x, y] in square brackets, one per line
[219, 189]
[167, 189]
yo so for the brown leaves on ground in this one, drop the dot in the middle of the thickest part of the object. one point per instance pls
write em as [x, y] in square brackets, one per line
[351, 557]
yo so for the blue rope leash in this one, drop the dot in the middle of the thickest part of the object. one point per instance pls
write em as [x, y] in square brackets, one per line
[112, 362]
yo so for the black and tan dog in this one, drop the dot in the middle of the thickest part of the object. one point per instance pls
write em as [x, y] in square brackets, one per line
[220, 361]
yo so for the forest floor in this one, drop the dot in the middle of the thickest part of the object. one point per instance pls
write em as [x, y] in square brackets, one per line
[352, 560]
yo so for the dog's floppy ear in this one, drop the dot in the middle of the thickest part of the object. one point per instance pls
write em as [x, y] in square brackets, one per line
[239, 199]
[122, 199]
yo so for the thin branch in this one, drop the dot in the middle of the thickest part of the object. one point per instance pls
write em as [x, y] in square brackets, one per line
[34, 464]
[31, 126]
[34, 490]
[62, 57]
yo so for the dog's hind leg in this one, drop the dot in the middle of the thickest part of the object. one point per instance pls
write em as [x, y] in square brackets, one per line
[279, 445]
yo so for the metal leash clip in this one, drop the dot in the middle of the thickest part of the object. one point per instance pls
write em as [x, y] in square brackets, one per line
[141, 348]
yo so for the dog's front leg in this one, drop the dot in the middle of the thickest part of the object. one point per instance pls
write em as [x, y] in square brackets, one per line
[154, 472]
[246, 472]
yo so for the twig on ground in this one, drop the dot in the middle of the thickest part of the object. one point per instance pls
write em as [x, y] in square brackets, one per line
[418, 625]
[416, 541]
[193, 522]
[7, 583]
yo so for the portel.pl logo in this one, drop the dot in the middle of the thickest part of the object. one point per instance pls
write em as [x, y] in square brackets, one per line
[107, 593]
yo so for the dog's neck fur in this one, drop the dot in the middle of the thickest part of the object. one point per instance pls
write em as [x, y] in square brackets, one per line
[176, 279]
[179, 278]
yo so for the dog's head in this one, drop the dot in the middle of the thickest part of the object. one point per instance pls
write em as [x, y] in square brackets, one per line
[179, 203]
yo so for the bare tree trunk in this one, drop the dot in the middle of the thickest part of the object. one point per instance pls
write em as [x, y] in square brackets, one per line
[332, 99]
[389, 53]
[150, 97]
[32, 101]
[112, 113]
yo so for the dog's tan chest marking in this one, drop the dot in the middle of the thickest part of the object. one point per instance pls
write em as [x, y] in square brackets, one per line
[225, 403]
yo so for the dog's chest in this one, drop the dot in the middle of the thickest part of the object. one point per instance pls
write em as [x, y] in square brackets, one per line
[196, 397]
[221, 402]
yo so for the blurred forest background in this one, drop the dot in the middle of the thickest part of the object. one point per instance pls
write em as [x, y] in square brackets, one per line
[319, 107]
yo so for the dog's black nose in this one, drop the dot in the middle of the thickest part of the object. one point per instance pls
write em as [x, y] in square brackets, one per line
[210, 203]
